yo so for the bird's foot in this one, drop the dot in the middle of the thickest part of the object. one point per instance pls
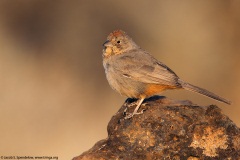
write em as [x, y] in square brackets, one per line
[131, 104]
[135, 110]
[125, 112]
[130, 115]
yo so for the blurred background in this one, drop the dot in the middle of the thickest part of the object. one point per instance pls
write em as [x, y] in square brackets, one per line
[54, 97]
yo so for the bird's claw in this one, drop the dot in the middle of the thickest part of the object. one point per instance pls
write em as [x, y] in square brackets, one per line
[130, 115]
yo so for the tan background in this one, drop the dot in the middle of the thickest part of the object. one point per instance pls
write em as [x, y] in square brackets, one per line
[54, 97]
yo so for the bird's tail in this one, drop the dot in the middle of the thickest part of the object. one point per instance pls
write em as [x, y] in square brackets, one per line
[202, 91]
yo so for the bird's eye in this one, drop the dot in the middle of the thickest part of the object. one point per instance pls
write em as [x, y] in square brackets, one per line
[118, 42]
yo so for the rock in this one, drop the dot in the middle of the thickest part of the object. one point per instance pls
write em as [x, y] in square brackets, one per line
[170, 130]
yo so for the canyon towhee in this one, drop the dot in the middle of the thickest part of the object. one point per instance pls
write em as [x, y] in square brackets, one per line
[135, 73]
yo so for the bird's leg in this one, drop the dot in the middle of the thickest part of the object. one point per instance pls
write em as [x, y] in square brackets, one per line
[129, 103]
[136, 109]
[138, 106]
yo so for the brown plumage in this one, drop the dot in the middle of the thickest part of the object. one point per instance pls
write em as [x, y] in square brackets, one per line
[135, 73]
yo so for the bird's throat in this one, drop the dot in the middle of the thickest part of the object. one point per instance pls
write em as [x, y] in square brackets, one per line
[107, 52]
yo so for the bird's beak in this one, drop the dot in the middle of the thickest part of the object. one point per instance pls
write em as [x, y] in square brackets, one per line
[107, 44]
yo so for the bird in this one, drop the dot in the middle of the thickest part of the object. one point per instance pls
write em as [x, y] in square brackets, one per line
[135, 73]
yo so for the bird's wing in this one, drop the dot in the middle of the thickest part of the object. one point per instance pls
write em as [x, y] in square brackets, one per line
[142, 67]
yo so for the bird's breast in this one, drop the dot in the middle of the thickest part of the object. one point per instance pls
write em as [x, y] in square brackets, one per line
[122, 83]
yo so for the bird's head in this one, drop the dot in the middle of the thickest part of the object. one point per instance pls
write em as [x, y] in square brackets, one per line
[118, 42]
